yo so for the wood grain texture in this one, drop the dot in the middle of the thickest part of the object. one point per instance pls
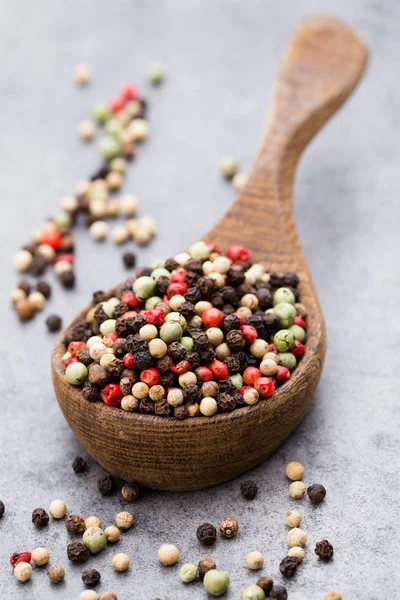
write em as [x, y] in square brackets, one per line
[322, 65]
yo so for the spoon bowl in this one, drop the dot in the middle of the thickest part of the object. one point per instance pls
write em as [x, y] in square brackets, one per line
[322, 65]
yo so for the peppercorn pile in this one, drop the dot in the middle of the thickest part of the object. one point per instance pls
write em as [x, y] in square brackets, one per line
[199, 333]
[125, 125]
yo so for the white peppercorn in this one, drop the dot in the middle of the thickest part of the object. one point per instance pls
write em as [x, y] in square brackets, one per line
[92, 522]
[239, 181]
[129, 403]
[112, 533]
[215, 335]
[168, 554]
[128, 205]
[119, 234]
[86, 130]
[62, 266]
[297, 552]
[81, 74]
[254, 560]
[188, 378]
[295, 471]
[98, 230]
[17, 295]
[208, 406]
[40, 556]
[58, 509]
[22, 260]
[258, 348]
[251, 396]
[23, 571]
[140, 390]
[296, 537]
[148, 332]
[121, 562]
[88, 595]
[139, 130]
[175, 397]
[268, 367]
[124, 520]
[297, 489]
[333, 595]
[293, 518]
[228, 166]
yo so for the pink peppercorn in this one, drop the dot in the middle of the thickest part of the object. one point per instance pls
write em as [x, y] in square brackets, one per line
[176, 289]
[128, 92]
[116, 104]
[111, 394]
[298, 349]
[153, 316]
[212, 317]
[181, 367]
[244, 388]
[241, 318]
[300, 322]
[264, 386]
[150, 376]
[219, 369]
[129, 361]
[130, 299]
[251, 374]
[282, 373]
[129, 314]
[65, 257]
[18, 557]
[111, 336]
[249, 333]
[179, 276]
[204, 373]
[238, 253]
[52, 238]
[272, 348]
[73, 347]
[69, 360]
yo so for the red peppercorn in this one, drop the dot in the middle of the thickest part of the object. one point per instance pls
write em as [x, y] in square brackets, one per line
[251, 374]
[129, 92]
[204, 373]
[67, 257]
[69, 360]
[19, 557]
[272, 348]
[282, 373]
[111, 336]
[130, 299]
[181, 367]
[129, 314]
[73, 347]
[300, 322]
[241, 318]
[154, 316]
[179, 276]
[238, 253]
[298, 349]
[52, 238]
[264, 386]
[116, 104]
[219, 369]
[249, 333]
[212, 317]
[176, 288]
[111, 394]
[150, 376]
[244, 388]
[129, 361]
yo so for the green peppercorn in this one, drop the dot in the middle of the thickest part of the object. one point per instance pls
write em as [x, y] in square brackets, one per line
[63, 219]
[109, 147]
[237, 380]
[76, 373]
[113, 127]
[94, 539]
[171, 332]
[144, 287]
[100, 113]
[160, 272]
[199, 251]
[252, 592]
[188, 573]
[288, 360]
[187, 343]
[155, 73]
[286, 313]
[216, 582]
[298, 332]
[108, 326]
[283, 294]
[284, 340]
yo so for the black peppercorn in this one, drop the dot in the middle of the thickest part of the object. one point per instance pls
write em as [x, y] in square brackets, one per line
[83, 356]
[191, 393]
[278, 592]
[316, 493]
[171, 264]
[187, 310]
[288, 566]
[205, 564]
[206, 534]
[181, 412]
[2, 508]
[239, 399]
[119, 347]
[249, 489]
[97, 374]
[143, 360]
[226, 402]
[98, 297]
[191, 278]
[162, 408]
[67, 279]
[229, 295]
[125, 385]
[272, 323]
[226, 387]
[264, 296]
[243, 289]
[40, 517]
[257, 322]
[167, 380]
[235, 339]
[266, 584]
[120, 309]
[228, 309]
[146, 406]
[100, 315]
[91, 577]
[106, 485]
[101, 172]
[193, 295]
[164, 364]
[38, 265]
[114, 367]
[276, 280]
[163, 284]
[90, 392]
[134, 343]
[79, 464]
[236, 275]
[44, 288]
[25, 286]
[233, 364]
[130, 492]
[324, 550]
[75, 524]
[77, 552]
[176, 351]
[206, 285]
[145, 272]
[193, 359]
[217, 299]
[194, 265]
[207, 354]
[53, 323]
[291, 280]
[129, 259]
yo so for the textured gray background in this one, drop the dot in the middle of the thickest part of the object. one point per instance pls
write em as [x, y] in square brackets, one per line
[220, 59]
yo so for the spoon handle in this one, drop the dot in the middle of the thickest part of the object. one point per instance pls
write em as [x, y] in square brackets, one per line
[322, 65]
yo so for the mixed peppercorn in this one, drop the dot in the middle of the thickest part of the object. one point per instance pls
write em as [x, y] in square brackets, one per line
[197, 334]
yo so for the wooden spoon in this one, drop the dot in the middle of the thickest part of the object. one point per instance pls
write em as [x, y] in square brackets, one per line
[322, 65]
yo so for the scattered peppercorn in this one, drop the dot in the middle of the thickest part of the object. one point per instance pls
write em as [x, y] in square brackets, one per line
[23, 571]
[205, 565]
[316, 493]
[266, 584]
[278, 592]
[216, 582]
[297, 489]
[206, 534]
[94, 539]
[295, 471]
[2, 509]
[40, 556]
[130, 492]
[229, 527]
[168, 554]
[249, 489]
[254, 560]
[333, 595]
[77, 552]
[129, 259]
[288, 566]
[53, 323]
[75, 524]
[56, 574]
[58, 509]
[324, 550]
[106, 485]
[18, 557]
[79, 464]
[40, 517]
[121, 562]
[124, 520]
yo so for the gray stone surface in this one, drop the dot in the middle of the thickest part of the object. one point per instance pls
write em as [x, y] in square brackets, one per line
[220, 59]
